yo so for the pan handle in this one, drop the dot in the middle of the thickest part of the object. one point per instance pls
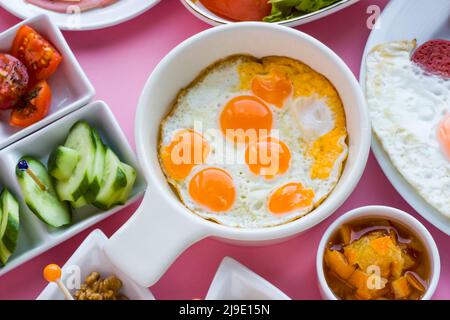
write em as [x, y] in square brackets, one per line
[148, 243]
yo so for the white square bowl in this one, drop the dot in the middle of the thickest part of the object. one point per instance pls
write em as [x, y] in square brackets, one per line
[35, 236]
[233, 281]
[87, 258]
[71, 89]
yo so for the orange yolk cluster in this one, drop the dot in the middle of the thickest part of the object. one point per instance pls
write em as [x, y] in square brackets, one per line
[245, 117]
[290, 197]
[273, 88]
[186, 150]
[444, 136]
[247, 120]
[268, 157]
[213, 188]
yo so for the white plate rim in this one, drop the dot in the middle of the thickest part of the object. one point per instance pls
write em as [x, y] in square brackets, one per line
[408, 193]
[56, 17]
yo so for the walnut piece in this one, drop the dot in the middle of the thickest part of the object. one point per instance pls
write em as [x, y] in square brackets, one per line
[96, 288]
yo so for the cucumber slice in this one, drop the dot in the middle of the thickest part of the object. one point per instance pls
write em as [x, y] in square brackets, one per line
[62, 163]
[99, 165]
[81, 139]
[9, 228]
[10, 221]
[131, 179]
[113, 183]
[81, 202]
[44, 203]
[5, 254]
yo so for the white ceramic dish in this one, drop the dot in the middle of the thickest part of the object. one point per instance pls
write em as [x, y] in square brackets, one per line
[233, 281]
[162, 218]
[36, 237]
[87, 258]
[114, 14]
[197, 9]
[395, 215]
[407, 20]
[71, 89]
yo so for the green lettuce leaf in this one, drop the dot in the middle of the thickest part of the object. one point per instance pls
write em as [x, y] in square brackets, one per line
[288, 9]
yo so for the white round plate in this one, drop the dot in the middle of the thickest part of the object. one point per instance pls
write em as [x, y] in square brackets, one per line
[100, 18]
[407, 20]
[197, 9]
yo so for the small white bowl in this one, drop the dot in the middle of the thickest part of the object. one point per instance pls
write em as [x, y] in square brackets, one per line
[71, 89]
[89, 257]
[233, 281]
[35, 237]
[402, 218]
[198, 10]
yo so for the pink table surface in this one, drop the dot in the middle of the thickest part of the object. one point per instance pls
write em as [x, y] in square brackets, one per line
[118, 61]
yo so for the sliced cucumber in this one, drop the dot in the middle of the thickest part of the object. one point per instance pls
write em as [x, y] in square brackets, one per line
[99, 165]
[113, 183]
[81, 139]
[62, 163]
[9, 228]
[44, 203]
[130, 173]
[5, 254]
[81, 202]
[10, 208]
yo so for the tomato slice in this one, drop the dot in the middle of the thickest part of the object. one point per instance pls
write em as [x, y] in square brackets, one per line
[39, 55]
[239, 10]
[33, 107]
[13, 81]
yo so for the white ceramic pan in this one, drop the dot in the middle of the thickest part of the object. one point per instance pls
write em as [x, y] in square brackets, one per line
[162, 227]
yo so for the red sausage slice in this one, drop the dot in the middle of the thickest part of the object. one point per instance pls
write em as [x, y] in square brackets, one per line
[434, 57]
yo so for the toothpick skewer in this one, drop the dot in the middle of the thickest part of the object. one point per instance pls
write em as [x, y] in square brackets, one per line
[64, 290]
[23, 166]
[52, 273]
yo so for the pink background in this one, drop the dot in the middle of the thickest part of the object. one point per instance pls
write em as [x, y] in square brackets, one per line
[118, 61]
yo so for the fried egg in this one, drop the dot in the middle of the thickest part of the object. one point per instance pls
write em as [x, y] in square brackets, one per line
[410, 111]
[254, 143]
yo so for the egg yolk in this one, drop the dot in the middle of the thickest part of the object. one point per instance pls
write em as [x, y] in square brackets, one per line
[444, 136]
[267, 157]
[290, 197]
[244, 118]
[273, 88]
[213, 188]
[186, 150]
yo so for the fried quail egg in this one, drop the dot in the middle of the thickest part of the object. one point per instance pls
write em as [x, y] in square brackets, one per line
[410, 111]
[254, 143]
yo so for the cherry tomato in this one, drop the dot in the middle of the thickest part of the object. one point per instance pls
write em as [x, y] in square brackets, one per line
[33, 107]
[39, 55]
[239, 10]
[13, 81]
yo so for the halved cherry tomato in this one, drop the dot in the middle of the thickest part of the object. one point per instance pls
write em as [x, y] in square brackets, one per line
[239, 10]
[13, 81]
[39, 55]
[33, 107]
